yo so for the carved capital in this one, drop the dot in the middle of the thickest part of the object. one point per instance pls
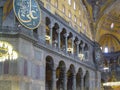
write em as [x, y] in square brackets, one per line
[66, 34]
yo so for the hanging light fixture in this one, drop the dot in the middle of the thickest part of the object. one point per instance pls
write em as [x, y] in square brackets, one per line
[47, 37]
[81, 56]
[7, 52]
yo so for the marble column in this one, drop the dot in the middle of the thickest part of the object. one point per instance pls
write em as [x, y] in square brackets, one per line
[78, 47]
[59, 42]
[82, 83]
[83, 52]
[66, 42]
[51, 33]
[54, 79]
[65, 82]
[73, 45]
[83, 45]
[74, 82]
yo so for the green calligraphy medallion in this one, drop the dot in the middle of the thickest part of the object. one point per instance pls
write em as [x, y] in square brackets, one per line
[27, 12]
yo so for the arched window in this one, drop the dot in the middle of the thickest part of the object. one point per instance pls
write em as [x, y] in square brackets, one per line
[69, 15]
[106, 50]
[85, 29]
[112, 25]
[80, 24]
[75, 18]
[74, 5]
[79, 12]
[56, 3]
[63, 9]
[69, 2]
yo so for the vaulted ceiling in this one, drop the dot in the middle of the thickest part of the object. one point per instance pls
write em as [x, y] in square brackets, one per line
[105, 22]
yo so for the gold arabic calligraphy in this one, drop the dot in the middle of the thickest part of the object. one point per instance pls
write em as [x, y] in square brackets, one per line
[30, 15]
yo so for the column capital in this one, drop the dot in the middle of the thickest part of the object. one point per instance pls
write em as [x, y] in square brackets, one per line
[73, 38]
[83, 45]
[78, 42]
[51, 25]
[66, 34]
[59, 30]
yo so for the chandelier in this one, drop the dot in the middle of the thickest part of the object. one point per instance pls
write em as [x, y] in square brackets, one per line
[81, 56]
[7, 52]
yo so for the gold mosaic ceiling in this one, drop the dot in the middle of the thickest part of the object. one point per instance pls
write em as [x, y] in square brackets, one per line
[108, 28]
[105, 16]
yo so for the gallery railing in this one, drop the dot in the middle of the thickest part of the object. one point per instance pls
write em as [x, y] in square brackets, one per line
[29, 33]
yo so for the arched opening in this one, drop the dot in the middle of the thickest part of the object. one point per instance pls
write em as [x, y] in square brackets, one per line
[69, 2]
[55, 35]
[109, 43]
[56, 3]
[86, 51]
[78, 79]
[70, 74]
[86, 81]
[70, 47]
[49, 67]
[60, 74]
[80, 47]
[62, 36]
[63, 9]
[81, 54]
[47, 36]
[75, 46]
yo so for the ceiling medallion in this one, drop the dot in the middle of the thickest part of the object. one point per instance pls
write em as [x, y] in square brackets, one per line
[27, 12]
[7, 52]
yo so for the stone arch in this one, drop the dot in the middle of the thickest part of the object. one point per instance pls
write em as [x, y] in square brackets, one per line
[75, 45]
[60, 75]
[69, 41]
[55, 34]
[47, 36]
[62, 38]
[86, 49]
[48, 21]
[49, 74]
[79, 77]
[81, 46]
[70, 77]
